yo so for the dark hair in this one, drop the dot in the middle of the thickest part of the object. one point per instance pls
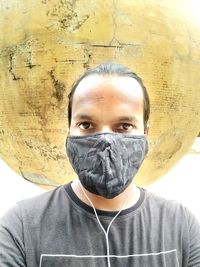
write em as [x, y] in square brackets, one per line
[110, 68]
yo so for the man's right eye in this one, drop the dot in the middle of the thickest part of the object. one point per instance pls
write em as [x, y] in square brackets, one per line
[84, 125]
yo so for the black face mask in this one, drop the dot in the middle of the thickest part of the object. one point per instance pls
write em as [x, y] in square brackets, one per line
[106, 163]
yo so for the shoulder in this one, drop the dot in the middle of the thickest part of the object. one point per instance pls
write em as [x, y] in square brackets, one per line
[33, 209]
[159, 202]
[168, 209]
[43, 199]
[172, 218]
[177, 223]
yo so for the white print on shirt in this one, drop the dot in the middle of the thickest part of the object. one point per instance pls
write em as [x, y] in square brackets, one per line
[164, 258]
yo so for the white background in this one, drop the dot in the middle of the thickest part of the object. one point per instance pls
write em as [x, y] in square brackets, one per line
[182, 183]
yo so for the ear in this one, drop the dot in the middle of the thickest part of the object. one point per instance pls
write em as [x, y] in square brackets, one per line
[146, 132]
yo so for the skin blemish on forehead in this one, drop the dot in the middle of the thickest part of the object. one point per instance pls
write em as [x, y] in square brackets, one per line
[98, 88]
[106, 101]
[108, 89]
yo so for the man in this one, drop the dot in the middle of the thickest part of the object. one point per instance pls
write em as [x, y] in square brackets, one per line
[102, 218]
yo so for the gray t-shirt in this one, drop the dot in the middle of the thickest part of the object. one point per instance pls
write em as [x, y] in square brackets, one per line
[58, 229]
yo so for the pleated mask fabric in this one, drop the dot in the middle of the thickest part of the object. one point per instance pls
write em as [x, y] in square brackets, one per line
[106, 163]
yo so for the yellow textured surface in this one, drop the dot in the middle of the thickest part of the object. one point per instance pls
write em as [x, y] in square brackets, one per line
[45, 46]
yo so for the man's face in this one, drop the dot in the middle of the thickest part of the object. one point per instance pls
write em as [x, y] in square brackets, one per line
[107, 104]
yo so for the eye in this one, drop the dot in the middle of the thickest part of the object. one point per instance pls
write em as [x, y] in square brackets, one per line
[84, 125]
[126, 126]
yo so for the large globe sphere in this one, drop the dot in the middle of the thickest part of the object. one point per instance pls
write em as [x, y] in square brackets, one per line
[46, 45]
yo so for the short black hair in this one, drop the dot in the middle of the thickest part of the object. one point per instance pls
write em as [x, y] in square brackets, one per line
[109, 68]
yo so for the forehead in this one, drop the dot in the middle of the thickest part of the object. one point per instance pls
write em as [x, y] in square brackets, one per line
[108, 87]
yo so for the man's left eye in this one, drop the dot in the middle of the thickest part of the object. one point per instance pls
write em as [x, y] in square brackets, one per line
[126, 126]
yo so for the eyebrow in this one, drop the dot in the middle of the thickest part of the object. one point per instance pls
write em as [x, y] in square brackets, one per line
[121, 118]
[127, 118]
[83, 117]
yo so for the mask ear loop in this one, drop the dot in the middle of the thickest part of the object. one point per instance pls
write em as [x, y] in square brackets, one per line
[97, 217]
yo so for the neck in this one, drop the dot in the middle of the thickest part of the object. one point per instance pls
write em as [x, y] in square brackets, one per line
[114, 204]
